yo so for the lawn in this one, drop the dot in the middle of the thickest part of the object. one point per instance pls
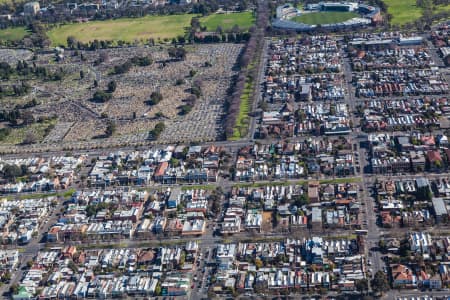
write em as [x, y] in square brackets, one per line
[242, 121]
[127, 29]
[403, 11]
[243, 19]
[441, 8]
[18, 134]
[406, 11]
[13, 34]
[324, 17]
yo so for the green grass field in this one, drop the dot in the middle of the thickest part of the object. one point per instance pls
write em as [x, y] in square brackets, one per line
[243, 19]
[242, 121]
[441, 8]
[403, 11]
[324, 17]
[126, 29]
[406, 11]
[17, 135]
[13, 34]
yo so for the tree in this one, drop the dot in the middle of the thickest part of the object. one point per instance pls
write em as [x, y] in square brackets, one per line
[4, 132]
[361, 285]
[196, 90]
[14, 289]
[159, 127]
[195, 23]
[73, 266]
[185, 109]
[27, 118]
[11, 171]
[174, 162]
[110, 128]
[177, 53]
[158, 289]
[123, 68]
[71, 42]
[101, 96]
[182, 258]
[6, 276]
[447, 60]
[258, 263]
[112, 85]
[379, 282]
[30, 138]
[30, 263]
[155, 98]
[215, 199]
[382, 245]
[142, 61]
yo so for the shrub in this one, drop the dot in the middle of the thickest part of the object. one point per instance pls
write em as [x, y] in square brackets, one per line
[101, 96]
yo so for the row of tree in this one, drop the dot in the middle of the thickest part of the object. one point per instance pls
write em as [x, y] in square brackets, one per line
[23, 68]
[252, 50]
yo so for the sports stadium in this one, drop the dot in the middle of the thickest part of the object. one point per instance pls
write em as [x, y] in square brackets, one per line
[326, 15]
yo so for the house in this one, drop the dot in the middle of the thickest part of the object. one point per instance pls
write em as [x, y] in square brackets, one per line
[231, 225]
[420, 242]
[444, 271]
[305, 93]
[432, 282]
[403, 277]
[253, 220]
[418, 161]
[316, 219]
[313, 192]
[174, 198]
[440, 210]
[194, 227]
[31, 8]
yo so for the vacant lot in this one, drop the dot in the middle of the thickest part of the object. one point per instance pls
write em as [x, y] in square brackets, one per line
[324, 17]
[13, 34]
[156, 27]
[227, 21]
